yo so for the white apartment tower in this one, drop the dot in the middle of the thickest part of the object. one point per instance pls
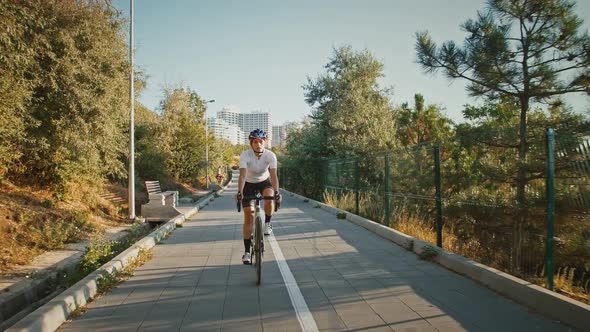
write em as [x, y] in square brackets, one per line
[256, 120]
[229, 115]
[246, 122]
[279, 134]
[222, 129]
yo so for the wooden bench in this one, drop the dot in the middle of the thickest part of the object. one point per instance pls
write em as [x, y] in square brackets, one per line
[161, 205]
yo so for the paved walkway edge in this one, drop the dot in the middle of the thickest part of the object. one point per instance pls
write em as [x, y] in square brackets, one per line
[54, 313]
[548, 303]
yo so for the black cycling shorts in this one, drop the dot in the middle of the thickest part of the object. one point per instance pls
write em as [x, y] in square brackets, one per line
[251, 188]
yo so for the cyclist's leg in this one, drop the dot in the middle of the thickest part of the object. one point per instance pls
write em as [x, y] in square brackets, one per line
[268, 209]
[248, 207]
[268, 205]
[248, 222]
[247, 233]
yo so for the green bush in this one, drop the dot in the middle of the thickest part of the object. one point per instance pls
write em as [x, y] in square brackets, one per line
[99, 251]
[428, 253]
[48, 204]
[55, 234]
[410, 245]
[107, 281]
[102, 249]
[81, 218]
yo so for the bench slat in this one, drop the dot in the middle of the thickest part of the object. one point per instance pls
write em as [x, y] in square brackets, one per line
[153, 187]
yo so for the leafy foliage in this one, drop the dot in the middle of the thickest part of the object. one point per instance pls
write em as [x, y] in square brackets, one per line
[521, 49]
[66, 119]
[522, 52]
[182, 133]
[150, 163]
[352, 114]
[422, 123]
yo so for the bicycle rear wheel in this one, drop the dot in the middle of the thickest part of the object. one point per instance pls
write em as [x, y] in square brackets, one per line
[258, 249]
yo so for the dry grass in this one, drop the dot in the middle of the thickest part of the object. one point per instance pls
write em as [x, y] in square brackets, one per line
[33, 220]
[563, 282]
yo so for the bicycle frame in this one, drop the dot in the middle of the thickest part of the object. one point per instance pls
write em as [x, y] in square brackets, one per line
[257, 247]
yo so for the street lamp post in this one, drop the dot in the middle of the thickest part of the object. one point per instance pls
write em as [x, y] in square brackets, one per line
[131, 176]
[207, 143]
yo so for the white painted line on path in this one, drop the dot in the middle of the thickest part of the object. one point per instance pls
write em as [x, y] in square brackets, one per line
[303, 315]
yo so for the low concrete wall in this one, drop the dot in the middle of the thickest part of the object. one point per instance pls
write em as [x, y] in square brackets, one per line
[51, 315]
[548, 303]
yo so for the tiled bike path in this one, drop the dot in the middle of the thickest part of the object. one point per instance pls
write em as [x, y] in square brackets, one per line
[350, 279]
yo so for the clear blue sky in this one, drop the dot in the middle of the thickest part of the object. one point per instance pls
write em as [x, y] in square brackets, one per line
[257, 54]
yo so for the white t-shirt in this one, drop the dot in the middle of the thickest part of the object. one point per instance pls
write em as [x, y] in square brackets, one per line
[257, 168]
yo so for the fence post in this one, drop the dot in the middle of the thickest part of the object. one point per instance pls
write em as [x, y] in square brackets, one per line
[437, 183]
[325, 170]
[356, 185]
[387, 211]
[550, 192]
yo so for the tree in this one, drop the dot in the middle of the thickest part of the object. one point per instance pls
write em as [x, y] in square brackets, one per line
[220, 154]
[352, 114]
[15, 85]
[422, 123]
[182, 136]
[301, 160]
[150, 160]
[527, 51]
[66, 118]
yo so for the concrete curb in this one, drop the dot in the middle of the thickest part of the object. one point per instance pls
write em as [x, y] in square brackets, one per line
[54, 313]
[548, 303]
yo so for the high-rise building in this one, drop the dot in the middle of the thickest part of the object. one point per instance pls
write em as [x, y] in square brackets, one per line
[230, 115]
[242, 137]
[222, 129]
[279, 134]
[246, 122]
[256, 120]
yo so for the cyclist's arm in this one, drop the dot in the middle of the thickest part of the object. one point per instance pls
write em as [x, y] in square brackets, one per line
[242, 180]
[274, 180]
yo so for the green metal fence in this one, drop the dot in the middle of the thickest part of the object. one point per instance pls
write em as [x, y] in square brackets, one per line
[572, 213]
[463, 199]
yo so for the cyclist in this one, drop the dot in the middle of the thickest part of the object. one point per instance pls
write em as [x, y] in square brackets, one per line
[258, 171]
[220, 177]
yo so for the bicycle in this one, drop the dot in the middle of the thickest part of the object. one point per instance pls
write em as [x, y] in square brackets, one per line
[257, 247]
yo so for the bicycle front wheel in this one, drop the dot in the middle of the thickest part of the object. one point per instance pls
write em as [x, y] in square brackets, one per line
[258, 252]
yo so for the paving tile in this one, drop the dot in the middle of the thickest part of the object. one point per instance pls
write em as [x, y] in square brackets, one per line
[231, 325]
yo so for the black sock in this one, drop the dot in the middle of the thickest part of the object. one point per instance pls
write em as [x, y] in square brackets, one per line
[247, 244]
[267, 218]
